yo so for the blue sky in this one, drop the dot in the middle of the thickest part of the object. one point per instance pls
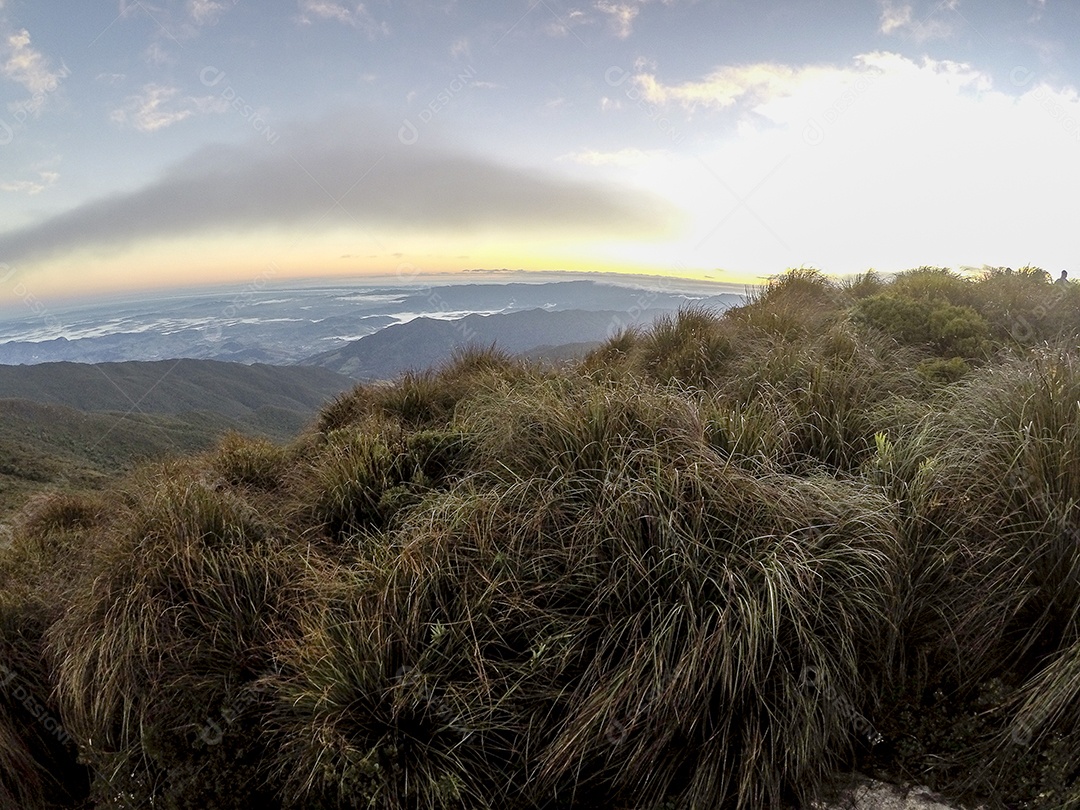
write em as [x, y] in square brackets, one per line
[172, 142]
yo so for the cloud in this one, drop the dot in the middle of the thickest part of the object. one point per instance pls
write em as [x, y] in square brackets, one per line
[340, 175]
[623, 157]
[31, 187]
[175, 20]
[206, 12]
[894, 17]
[154, 108]
[28, 67]
[461, 48]
[724, 87]
[356, 16]
[619, 16]
[157, 55]
[909, 159]
[786, 94]
[902, 19]
[773, 89]
[562, 26]
[622, 16]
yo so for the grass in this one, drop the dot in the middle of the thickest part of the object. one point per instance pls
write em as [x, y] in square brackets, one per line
[716, 564]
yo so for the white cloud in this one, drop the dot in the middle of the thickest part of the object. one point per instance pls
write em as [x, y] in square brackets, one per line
[770, 89]
[561, 26]
[885, 161]
[460, 48]
[619, 15]
[151, 109]
[622, 16]
[205, 12]
[21, 187]
[129, 7]
[724, 87]
[903, 19]
[356, 16]
[31, 187]
[894, 17]
[28, 67]
[156, 55]
[622, 157]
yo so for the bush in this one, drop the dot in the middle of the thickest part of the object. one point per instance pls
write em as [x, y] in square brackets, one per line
[990, 533]
[935, 325]
[691, 349]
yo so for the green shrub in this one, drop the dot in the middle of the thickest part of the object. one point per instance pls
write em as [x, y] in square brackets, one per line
[939, 371]
[936, 325]
[811, 403]
[346, 478]
[934, 284]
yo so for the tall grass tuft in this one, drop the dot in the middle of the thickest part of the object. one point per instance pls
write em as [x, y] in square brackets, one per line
[692, 348]
[250, 462]
[795, 304]
[38, 758]
[168, 627]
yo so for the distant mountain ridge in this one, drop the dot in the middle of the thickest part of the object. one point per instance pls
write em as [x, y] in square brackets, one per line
[76, 425]
[231, 390]
[283, 325]
[426, 342]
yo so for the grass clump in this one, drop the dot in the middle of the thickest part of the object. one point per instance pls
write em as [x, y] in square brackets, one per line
[170, 624]
[579, 617]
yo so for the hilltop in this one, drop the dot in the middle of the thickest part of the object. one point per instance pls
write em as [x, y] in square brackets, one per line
[720, 562]
[232, 390]
[76, 426]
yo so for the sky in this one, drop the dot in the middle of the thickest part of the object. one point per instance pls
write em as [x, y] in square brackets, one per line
[168, 143]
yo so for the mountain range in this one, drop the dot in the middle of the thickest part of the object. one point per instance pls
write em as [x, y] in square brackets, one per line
[426, 342]
[90, 393]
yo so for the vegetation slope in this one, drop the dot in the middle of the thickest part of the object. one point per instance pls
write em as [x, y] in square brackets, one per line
[714, 564]
[76, 427]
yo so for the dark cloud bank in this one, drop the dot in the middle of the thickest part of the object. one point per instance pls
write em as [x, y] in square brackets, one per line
[340, 175]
